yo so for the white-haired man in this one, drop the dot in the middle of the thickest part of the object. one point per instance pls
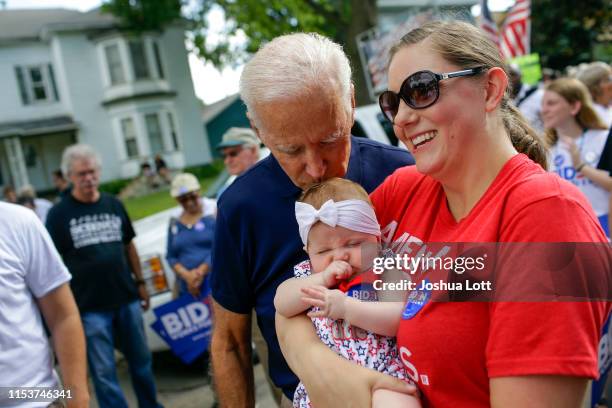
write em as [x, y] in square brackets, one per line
[300, 101]
[93, 233]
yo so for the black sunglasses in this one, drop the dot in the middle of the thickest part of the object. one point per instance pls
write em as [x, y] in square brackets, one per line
[188, 197]
[232, 153]
[419, 91]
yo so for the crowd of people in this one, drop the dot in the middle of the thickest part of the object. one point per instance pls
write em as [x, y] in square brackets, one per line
[286, 257]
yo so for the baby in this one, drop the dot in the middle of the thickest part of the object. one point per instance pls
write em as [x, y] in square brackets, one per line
[336, 237]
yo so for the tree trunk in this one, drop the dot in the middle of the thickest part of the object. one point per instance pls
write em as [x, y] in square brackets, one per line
[364, 15]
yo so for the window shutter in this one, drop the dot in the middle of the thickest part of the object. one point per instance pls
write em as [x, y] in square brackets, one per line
[52, 79]
[23, 92]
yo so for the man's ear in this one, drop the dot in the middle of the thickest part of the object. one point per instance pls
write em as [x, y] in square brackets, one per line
[495, 87]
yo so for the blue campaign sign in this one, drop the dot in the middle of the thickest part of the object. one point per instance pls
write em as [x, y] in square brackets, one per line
[186, 325]
[605, 362]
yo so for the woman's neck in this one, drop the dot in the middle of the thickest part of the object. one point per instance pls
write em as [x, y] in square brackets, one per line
[469, 184]
[570, 128]
[190, 217]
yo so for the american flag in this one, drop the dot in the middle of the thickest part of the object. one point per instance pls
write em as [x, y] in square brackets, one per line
[487, 23]
[515, 33]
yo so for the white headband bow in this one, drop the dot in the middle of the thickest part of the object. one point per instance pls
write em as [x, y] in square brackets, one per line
[356, 215]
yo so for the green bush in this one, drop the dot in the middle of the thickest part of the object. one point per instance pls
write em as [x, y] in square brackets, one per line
[114, 187]
[207, 170]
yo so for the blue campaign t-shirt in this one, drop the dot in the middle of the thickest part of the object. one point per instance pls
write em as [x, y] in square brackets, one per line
[257, 241]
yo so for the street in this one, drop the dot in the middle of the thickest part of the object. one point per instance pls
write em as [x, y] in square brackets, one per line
[179, 386]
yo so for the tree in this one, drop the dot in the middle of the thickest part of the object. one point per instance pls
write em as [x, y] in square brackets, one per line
[260, 21]
[568, 32]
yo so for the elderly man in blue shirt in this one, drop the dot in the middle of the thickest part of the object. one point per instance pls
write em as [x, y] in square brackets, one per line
[300, 100]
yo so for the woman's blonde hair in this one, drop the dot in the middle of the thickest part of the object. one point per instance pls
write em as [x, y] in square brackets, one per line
[594, 76]
[336, 189]
[572, 90]
[466, 46]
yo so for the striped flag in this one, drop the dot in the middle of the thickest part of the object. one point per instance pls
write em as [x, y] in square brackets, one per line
[515, 33]
[487, 23]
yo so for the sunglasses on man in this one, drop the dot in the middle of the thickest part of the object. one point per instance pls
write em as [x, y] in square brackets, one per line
[419, 91]
[231, 153]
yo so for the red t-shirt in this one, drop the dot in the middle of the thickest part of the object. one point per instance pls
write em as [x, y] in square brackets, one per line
[452, 349]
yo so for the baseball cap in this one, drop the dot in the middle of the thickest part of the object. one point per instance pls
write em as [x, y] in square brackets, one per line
[237, 137]
[183, 183]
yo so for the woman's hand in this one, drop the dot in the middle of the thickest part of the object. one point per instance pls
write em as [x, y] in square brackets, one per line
[331, 302]
[193, 280]
[203, 270]
[573, 149]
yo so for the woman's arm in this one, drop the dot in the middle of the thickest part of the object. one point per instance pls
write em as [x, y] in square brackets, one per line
[600, 177]
[537, 391]
[379, 317]
[328, 377]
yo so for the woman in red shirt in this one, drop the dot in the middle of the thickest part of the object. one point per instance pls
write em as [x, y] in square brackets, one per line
[479, 177]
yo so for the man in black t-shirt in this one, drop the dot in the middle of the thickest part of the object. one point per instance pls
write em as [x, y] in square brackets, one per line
[93, 233]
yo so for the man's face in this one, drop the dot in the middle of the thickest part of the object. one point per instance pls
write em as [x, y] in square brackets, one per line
[84, 175]
[239, 159]
[310, 137]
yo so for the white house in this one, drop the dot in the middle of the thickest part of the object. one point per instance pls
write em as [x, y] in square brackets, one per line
[68, 76]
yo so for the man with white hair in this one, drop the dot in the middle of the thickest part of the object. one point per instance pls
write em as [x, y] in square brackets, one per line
[300, 101]
[94, 236]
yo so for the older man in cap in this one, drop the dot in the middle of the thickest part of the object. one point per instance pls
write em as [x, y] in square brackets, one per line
[239, 149]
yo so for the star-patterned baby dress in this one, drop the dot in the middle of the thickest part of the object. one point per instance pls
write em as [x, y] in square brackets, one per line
[353, 343]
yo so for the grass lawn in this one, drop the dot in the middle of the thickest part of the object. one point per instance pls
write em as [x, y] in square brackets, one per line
[140, 207]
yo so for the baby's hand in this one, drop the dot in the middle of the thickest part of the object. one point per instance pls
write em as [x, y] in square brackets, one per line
[331, 302]
[335, 272]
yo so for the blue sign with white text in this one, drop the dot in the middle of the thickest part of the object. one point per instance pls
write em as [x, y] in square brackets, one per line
[186, 325]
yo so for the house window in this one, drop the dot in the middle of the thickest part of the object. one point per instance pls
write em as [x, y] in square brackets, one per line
[139, 60]
[115, 68]
[173, 134]
[158, 62]
[154, 132]
[129, 136]
[36, 84]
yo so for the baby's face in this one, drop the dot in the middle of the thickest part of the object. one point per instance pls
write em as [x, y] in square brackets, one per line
[327, 244]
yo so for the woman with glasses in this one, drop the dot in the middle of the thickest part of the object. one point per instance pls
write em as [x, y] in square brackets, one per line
[576, 136]
[190, 238]
[479, 177]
